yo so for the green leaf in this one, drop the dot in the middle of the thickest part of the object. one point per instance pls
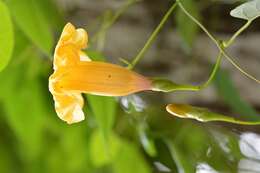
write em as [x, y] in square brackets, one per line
[231, 96]
[130, 157]
[51, 11]
[188, 149]
[95, 55]
[203, 114]
[7, 159]
[31, 20]
[17, 93]
[181, 159]
[147, 142]
[186, 27]
[102, 150]
[6, 36]
[122, 154]
[248, 10]
[104, 110]
[135, 106]
[75, 162]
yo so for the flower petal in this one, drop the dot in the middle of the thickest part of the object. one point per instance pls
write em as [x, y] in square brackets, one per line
[68, 50]
[68, 104]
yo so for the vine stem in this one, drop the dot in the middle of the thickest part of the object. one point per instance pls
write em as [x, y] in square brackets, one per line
[213, 73]
[221, 46]
[198, 87]
[231, 60]
[152, 37]
[197, 22]
[232, 39]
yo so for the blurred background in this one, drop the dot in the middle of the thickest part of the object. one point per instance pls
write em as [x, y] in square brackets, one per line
[133, 133]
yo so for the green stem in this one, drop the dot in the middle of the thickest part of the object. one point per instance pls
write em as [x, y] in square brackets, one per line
[213, 73]
[232, 39]
[164, 85]
[231, 60]
[187, 88]
[221, 46]
[152, 37]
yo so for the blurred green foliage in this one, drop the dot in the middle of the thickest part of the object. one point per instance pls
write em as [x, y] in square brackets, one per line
[6, 39]
[37, 29]
[186, 27]
[33, 139]
[230, 95]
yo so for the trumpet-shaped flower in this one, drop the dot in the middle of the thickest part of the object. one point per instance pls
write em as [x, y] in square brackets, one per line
[74, 74]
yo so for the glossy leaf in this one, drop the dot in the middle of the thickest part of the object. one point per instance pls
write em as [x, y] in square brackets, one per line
[188, 147]
[6, 36]
[136, 107]
[147, 142]
[191, 142]
[249, 10]
[203, 114]
[31, 20]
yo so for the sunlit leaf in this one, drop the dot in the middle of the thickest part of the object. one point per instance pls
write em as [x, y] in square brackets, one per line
[29, 17]
[17, 93]
[6, 36]
[186, 27]
[230, 95]
[103, 151]
[203, 114]
[249, 10]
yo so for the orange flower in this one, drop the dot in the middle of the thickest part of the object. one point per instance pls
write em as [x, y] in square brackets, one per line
[74, 74]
